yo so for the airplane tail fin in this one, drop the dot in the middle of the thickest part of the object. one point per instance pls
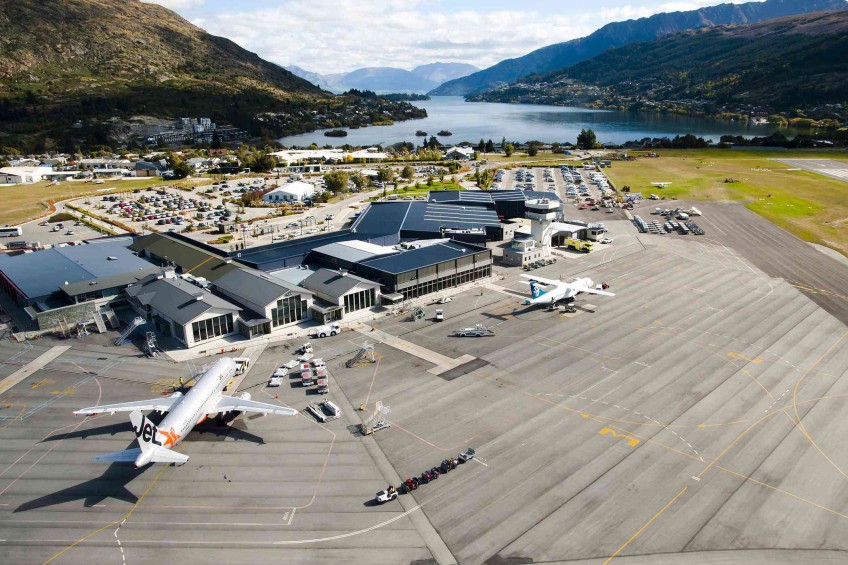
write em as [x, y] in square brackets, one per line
[150, 451]
[535, 291]
[144, 436]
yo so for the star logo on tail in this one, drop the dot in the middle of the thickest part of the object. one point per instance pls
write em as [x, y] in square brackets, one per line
[171, 437]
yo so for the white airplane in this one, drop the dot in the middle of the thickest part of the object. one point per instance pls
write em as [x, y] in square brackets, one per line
[560, 291]
[156, 443]
[660, 184]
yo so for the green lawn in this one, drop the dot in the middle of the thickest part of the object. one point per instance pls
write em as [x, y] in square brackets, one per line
[811, 206]
[22, 202]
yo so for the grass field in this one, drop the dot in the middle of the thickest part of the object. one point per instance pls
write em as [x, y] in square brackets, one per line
[811, 206]
[22, 202]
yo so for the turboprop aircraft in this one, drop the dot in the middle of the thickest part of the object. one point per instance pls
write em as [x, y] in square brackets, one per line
[560, 291]
[156, 443]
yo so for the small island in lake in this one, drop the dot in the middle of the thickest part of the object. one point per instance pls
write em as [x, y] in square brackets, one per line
[444, 133]
[336, 133]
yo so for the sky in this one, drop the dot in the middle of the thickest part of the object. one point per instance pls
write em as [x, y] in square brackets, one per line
[332, 36]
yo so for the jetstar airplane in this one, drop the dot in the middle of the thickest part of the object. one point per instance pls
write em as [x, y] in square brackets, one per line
[184, 412]
[560, 291]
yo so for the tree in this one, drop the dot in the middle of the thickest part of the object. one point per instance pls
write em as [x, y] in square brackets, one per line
[180, 168]
[509, 149]
[216, 140]
[336, 181]
[532, 149]
[481, 146]
[385, 174]
[586, 139]
[490, 146]
[408, 172]
[359, 180]
[261, 162]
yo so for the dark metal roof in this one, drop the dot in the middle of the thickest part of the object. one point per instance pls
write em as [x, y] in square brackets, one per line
[43, 272]
[114, 281]
[333, 283]
[535, 195]
[460, 196]
[256, 286]
[423, 257]
[381, 218]
[431, 217]
[289, 253]
[498, 195]
[177, 299]
[192, 257]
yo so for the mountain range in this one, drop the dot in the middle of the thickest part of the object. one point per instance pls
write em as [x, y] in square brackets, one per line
[562, 55]
[778, 66]
[384, 80]
[80, 60]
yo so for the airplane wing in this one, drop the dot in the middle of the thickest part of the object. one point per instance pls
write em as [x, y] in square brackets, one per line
[595, 291]
[540, 280]
[125, 456]
[162, 404]
[234, 403]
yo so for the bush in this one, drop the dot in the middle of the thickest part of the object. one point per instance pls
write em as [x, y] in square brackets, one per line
[62, 217]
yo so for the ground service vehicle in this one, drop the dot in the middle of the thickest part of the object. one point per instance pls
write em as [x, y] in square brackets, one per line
[384, 496]
[467, 455]
[440, 315]
[324, 331]
[474, 331]
[579, 245]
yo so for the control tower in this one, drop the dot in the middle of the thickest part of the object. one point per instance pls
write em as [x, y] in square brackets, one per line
[542, 212]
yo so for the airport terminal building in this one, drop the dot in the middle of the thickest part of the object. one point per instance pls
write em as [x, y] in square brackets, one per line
[196, 293]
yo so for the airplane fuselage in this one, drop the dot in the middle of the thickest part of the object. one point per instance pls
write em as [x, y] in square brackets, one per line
[188, 412]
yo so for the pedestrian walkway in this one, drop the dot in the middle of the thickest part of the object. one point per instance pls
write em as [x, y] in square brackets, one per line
[443, 363]
[31, 367]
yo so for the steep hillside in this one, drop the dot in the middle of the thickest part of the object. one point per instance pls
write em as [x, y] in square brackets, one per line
[562, 55]
[779, 66]
[72, 60]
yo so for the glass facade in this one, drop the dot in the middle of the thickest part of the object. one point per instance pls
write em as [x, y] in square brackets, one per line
[448, 281]
[288, 310]
[359, 300]
[212, 328]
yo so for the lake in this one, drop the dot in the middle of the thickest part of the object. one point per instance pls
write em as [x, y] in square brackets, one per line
[471, 121]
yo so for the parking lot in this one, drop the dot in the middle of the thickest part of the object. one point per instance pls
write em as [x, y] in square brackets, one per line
[581, 190]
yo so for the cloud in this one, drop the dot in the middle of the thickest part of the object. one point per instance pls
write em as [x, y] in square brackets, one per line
[340, 35]
[329, 36]
[177, 4]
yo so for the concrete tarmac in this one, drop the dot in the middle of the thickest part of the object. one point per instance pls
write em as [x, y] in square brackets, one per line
[696, 417]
